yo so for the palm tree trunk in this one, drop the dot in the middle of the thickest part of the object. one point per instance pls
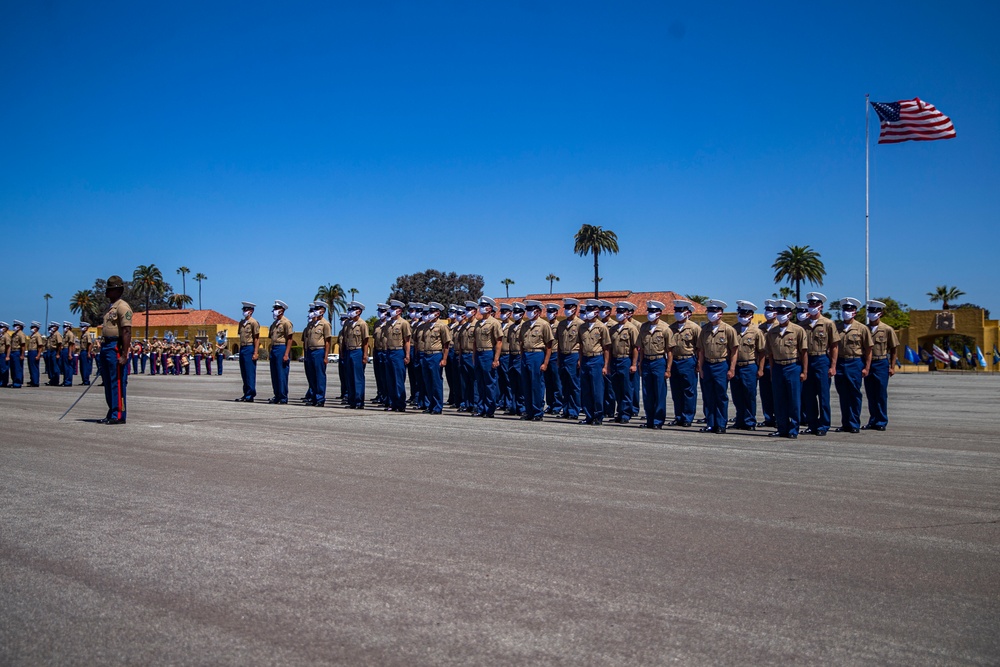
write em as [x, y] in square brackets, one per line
[798, 290]
[596, 274]
[146, 337]
[199, 295]
[550, 286]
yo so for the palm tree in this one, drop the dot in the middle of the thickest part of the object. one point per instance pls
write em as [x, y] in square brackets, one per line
[353, 291]
[83, 302]
[183, 271]
[945, 295]
[46, 297]
[783, 292]
[696, 298]
[592, 239]
[796, 264]
[200, 277]
[507, 282]
[147, 282]
[179, 300]
[551, 278]
[333, 297]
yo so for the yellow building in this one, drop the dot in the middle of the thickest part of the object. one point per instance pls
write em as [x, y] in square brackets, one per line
[928, 325]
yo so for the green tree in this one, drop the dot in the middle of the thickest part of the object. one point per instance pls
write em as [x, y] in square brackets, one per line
[895, 314]
[182, 272]
[179, 301]
[986, 311]
[84, 303]
[798, 264]
[507, 282]
[200, 277]
[434, 285]
[333, 297]
[551, 278]
[592, 239]
[147, 283]
[945, 295]
[784, 292]
[696, 298]
[353, 291]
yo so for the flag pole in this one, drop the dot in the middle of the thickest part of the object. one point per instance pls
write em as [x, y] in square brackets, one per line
[867, 126]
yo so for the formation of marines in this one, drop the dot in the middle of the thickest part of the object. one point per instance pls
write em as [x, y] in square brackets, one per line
[596, 362]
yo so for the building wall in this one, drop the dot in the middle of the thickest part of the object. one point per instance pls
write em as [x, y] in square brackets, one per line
[926, 325]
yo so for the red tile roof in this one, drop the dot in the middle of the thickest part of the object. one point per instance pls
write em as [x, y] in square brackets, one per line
[638, 298]
[181, 318]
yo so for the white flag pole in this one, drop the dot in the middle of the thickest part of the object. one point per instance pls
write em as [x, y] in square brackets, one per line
[867, 125]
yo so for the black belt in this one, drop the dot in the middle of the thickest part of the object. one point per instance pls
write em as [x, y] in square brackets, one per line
[678, 358]
[541, 349]
[715, 361]
[742, 364]
[591, 356]
[392, 349]
[650, 357]
[785, 362]
[848, 356]
[621, 356]
[310, 349]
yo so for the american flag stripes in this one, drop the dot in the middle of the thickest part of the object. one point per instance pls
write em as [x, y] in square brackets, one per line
[912, 120]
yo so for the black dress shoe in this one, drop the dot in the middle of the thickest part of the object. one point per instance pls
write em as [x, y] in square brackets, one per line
[848, 430]
[273, 400]
[321, 404]
[112, 422]
[706, 429]
[585, 421]
[721, 430]
[777, 435]
[599, 422]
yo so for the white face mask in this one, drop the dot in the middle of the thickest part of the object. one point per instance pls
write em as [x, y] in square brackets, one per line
[518, 317]
[743, 319]
[801, 317]
[714, 317]
[589, 315]
[652, 317]
[483, 310]
[276, 312]
[783, 318]
[874, 317]
[620, 317]
[505, 315]
[769, 315]
[550, 315]
[815, 310]
[383, 316]
[533, 314]
[313, 315]
[605, 314]
[470, 314]
[847, 315]
[354, 312]
[568, 312]
[680, 317]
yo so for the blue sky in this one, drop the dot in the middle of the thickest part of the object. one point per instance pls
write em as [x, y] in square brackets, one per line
[279, 146]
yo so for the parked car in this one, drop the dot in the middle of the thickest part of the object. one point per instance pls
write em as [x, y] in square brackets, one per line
[233, 357]
[333, 358]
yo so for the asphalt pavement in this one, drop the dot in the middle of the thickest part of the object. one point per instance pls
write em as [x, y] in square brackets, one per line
[211, 532]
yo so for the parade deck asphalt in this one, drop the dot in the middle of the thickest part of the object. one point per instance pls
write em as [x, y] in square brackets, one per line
[210, 532]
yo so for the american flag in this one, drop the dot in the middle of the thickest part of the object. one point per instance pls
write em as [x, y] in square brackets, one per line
[912, 120]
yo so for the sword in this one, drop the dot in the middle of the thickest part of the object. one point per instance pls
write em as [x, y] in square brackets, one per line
[76, 401]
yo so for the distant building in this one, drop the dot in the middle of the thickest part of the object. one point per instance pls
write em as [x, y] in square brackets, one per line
[189, 325]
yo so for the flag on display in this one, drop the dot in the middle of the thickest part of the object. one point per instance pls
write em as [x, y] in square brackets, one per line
[911, 355]
[996, 355]
[968, 356]
[925, 356]
[941, 355]
[912, 120]
[981, 358]
[953, 355]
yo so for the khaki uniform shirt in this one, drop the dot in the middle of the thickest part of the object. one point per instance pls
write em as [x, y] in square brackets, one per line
[116, 317]
[69, 338]
[281, 332]
[884, 340]
[466, 340]
[654, 339]
[378, 338]
[55, 341]
[624, 337]
[436, 337]
[855, 340]
[514, 337]
[35, 342]
[505, 328]
[488, 332]
[821, 335]
[684, 338]
[316, 334]
[4, 342]
[536, 335]
[355, 334]
[396, 332]
[17, 341]
[594, 338]
[248, 328]
[568, 334]
[786, 346]
[751, 344]
[716, 340]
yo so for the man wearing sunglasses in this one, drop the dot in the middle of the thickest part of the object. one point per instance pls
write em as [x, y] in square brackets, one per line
[788, 353]
[883, 366]
[853, 360]
[749, 366]
[764, 381]
[681, 367]
[823, 350]
[717, 348]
